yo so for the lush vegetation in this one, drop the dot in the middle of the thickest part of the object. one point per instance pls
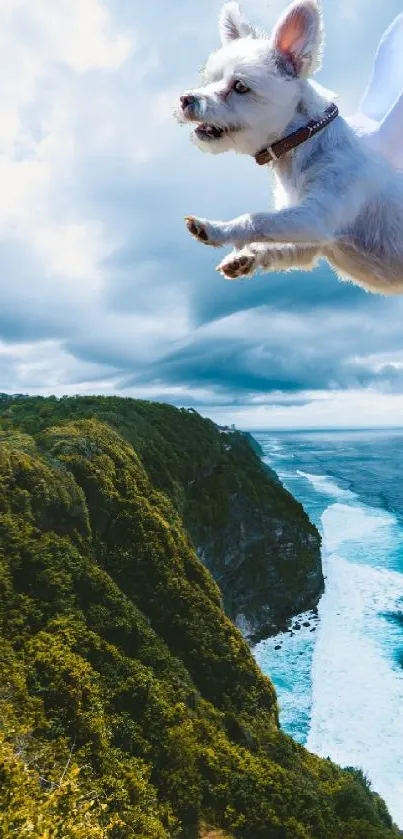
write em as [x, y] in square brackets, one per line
[253, 536]
[130, 706]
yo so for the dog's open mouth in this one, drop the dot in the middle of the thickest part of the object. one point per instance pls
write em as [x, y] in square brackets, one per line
[206, 131]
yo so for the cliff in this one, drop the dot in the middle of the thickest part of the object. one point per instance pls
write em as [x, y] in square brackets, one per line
[252, 535]
[130, 704]
[256, 540]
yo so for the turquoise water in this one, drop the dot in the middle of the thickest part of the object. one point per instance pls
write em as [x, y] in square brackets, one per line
[340, 687]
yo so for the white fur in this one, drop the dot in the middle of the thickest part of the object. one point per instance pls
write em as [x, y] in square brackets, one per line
[233, 25]
[337, 198]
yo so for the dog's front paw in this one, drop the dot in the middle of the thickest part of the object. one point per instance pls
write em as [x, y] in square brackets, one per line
[205, 231]
[238, 264]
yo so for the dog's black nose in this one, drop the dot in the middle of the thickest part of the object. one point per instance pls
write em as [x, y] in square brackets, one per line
[187, 101]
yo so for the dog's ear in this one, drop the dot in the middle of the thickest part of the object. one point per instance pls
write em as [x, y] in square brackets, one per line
[233, 24]
[299, 36]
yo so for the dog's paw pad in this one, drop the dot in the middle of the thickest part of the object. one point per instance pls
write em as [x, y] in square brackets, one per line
[197, 229]
[237, 266]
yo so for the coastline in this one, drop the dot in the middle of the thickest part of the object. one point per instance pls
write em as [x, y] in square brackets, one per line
[341, 695]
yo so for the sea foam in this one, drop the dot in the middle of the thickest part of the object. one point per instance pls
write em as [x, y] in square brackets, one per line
[357, 681]
[340, 688]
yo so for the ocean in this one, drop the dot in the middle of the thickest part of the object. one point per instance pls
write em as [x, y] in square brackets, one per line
[340, 687]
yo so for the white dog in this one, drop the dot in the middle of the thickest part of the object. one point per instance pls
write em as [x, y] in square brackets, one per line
[340, 191]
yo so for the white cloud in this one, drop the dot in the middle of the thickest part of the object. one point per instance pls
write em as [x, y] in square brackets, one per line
[71, 250]
[45, 367]
[355, 409]
[37, 151]
[68, 99]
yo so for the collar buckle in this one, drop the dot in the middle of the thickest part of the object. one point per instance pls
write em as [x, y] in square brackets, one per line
[272, 153]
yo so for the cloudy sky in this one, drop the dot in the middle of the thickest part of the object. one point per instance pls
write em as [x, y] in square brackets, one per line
[101, 288]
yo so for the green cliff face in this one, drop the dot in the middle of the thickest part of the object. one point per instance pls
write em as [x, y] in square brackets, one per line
[252, 535]
[130, 705]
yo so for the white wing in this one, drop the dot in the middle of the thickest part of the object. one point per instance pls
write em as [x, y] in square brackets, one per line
[386, 83]
[380, 112]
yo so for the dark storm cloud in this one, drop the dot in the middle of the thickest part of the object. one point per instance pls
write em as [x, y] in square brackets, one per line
[325, 350]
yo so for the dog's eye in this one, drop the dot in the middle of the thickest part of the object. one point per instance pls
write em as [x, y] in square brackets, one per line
[240, 87]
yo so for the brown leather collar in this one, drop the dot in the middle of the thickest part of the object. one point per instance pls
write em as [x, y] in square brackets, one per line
[272, 153]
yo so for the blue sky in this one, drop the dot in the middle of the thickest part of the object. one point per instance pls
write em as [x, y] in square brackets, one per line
[101, 288]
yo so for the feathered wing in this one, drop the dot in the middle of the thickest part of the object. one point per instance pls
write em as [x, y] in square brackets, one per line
[380, 112]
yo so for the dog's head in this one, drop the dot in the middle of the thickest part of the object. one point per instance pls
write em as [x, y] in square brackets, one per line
[252, 84]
